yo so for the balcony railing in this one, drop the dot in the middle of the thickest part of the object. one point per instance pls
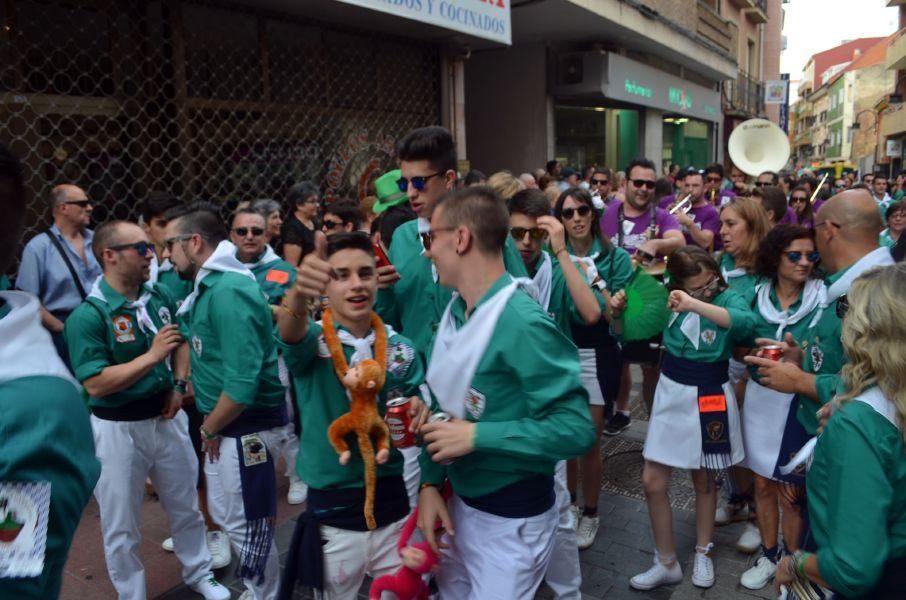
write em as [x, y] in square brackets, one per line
[744, 96]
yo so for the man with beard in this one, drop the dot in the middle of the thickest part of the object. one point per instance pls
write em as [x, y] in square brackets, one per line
[229, 326]
[121, 340]
[700, 223]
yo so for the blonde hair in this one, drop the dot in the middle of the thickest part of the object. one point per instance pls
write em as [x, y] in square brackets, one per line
[874, 337]
[757, 224]
[505, 184]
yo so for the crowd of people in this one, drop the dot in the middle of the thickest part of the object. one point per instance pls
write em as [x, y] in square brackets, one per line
[185, 352]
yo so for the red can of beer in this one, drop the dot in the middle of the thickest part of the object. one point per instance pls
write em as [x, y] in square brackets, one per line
[774, 353]
[398, 421]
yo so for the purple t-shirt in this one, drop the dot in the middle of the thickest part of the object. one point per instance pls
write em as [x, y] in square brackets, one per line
[790, 217]
[705, 215]
[635, 232]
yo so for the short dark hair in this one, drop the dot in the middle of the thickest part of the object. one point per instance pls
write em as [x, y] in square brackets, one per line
[810, 181]
[551, 165]
[348, 210]
[157, 203]
[775, 178]
[893, 207]
[104, 237]
[355, 240]
[767, 260]
[433, 144]
[604, 171]
[788, 178]
[531, 203]
[582, 196]
[204, 219]
[482, 211]
[715, 168]
[690, 261]
[474, 177]
[642, 162]
[248, 210]
[773, 199]
[12, 204]
[880, 175]
[302, 191]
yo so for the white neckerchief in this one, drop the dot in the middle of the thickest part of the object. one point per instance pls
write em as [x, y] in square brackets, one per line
[589, 269]
[223, 260]
[456, 353]
[266, 258]
[140, 304]
[879, 257]
[873, 397]
[424, 226]
[362, 347]
[543, 280]
[27, 349]
[691, 326]
[814, 295]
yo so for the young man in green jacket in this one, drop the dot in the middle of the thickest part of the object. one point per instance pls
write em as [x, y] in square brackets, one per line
[229, 327]
[510, 381]
[132, 361]
[48, 468]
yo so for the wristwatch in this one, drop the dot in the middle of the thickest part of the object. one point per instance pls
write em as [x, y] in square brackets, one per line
[181, 386]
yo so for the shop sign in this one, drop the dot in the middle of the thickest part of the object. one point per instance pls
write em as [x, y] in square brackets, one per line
[487, 19]
[894, 148]
[632, 81]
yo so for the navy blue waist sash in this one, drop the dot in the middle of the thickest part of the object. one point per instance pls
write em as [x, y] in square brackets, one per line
[519, 500]
[691, 372]
[137, 410]
[343, 509]
[253, 420]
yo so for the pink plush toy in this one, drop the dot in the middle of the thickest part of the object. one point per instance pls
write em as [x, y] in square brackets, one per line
[418, 559]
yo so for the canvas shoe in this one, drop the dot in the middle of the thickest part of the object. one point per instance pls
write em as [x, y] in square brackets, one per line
[617, 424]
[750, 540]
[703, 569]
[759, 575]
[297, 493]
[659, 574]
[210, 589]
[219, 547]
[587, 531]
[576, 512]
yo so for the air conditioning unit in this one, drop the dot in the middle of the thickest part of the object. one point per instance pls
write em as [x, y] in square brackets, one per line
[580, 73]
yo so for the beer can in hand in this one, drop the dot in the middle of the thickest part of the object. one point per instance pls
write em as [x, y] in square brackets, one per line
[440, 417]
[398, 420]
[774, 353]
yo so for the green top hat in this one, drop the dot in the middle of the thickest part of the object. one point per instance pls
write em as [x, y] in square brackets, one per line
[388, 192]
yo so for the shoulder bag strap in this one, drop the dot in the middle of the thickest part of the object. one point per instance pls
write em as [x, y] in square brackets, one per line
[72, 271]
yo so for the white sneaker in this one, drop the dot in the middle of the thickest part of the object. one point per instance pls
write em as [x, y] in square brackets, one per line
[577, 515]
[219, 547]
[298, 492]
[702, 570]
[659, 574]
[211, 590]
[167, 545]
[760, 575]
[750, 540]
[731, 513]
[587, 531]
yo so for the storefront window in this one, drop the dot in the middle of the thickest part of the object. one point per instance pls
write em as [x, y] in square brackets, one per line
[595, 136]
[687, 142]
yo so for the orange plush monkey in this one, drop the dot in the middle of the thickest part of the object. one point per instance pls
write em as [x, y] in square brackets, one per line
[363, 381]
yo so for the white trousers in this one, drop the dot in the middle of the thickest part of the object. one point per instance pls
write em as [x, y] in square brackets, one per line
[286, 442]
[412, 473]
[130, 452]
[564, 576]
[228, 509]
[495, 558]
[350, 555]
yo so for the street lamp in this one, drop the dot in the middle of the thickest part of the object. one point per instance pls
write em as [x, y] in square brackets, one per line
[857, 125]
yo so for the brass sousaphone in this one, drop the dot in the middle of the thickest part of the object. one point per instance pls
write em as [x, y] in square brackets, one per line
[757, 145]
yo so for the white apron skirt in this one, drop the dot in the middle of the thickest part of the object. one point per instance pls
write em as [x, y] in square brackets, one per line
[589, 376]
[736, 370]
[763, 424]
[674, 431]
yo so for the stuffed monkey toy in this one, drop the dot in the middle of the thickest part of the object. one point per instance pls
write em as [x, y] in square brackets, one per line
[418, 559]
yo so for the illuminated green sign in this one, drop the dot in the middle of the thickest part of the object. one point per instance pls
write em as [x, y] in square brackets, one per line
[680, 97]
[633, 87]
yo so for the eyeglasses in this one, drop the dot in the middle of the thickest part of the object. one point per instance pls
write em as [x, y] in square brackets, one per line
[600, 181]
[710, 288]
[80, 203]
[535, 233]
[428, 236]
[762, 183]
[716, 179]
[417, 182]
[168, 243]
[568, 213]
[244, 231]
[329, 225]
[797, 199]
[795, 256]
[141, 247]
[647, 183]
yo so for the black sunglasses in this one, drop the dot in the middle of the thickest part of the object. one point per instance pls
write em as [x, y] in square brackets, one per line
[140, 247]
[600, 181]
[795, 256]
[716, 179]
[762, 183]
[794, 199]
[842, 306]
[535, 233]
[244, 231]
[417, 182]
[567, 213]
[428, 237]
[329, 225]
[80, 203]
[647, 183]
